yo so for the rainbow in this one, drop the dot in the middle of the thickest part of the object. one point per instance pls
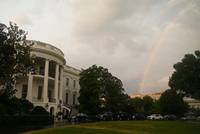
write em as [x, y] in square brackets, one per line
[153, 52]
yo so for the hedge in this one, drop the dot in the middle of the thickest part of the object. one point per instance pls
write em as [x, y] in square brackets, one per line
[26, 120]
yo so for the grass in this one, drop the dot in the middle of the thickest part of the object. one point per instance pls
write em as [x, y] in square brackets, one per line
[126, 127]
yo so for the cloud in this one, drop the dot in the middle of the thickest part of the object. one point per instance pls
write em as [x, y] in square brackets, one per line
[22, 19]
[117, 34]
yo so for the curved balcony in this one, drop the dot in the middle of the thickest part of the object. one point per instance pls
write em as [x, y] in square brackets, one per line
[52, 100]
[46, 46]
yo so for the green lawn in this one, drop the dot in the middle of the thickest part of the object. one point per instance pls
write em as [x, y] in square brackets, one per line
[126, 127]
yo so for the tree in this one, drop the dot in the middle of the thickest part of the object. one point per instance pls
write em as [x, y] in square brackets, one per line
[186, 77]
[148, 104]
[100, 91]
[141, 105]
[172, 103]
[137, 104]
[15, 57]
[90, 85]
[25, 106]
[156, 107]
[115, 98]
[39, 110]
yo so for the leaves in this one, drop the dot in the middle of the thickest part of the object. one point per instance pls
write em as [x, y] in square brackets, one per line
[15, 59]
[100, 91]
[186, 77]
[172, 103]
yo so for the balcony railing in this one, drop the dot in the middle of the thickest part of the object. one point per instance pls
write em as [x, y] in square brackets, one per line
[52, 100]
[36, 99]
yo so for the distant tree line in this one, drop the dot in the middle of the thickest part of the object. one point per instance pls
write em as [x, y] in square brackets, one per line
[100, 91]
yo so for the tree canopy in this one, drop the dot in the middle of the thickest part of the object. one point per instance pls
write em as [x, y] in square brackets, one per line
[100, 91]
[172, 103]
[186, 77]
[143, 105]
[15, 56]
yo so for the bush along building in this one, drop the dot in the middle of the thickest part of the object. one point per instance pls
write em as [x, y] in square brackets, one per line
[53, 85]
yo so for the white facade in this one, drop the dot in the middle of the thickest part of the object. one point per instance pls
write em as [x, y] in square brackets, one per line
[53, 85]
[193, 103]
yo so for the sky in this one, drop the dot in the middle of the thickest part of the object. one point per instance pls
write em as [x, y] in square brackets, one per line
[139, 41]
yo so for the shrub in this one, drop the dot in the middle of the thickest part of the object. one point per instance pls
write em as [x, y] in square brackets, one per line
[2, 110]
[8, 120]
[25, 106]
[38, 110]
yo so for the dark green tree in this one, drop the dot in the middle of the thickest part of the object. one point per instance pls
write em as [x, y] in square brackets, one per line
[115, 98]
[148, 104]
[15, 57]
[172, 103]
[39, 110]
[90, 84]
[137, 103]
[25, 106]
[156, 107]
[100, 91]
[145, 105]
[186, 77]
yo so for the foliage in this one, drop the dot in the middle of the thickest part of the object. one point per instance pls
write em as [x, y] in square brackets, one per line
[14, 105]
[143, 105]
[100, 91]
[186, 77]
[15, 57]
[38, 110]
[23, 120]
[156, 107]
[25, 106]
[148, 104]
[2, 109]
[137, 104]
[172, 103]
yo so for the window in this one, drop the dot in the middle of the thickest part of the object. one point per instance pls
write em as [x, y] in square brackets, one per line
[24, 91]
[40, 92]
[67, 81]
[74, 99]
[49, 94]
[74, 83]
[66, 99]
[41, 70]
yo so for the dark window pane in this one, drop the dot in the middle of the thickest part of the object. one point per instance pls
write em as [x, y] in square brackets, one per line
[40, 92]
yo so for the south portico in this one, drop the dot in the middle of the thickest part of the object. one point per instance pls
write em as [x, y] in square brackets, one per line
[44, 87]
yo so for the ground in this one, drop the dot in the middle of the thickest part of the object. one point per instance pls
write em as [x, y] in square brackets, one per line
[126, 127]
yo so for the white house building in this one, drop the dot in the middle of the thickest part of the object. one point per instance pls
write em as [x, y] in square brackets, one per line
[53, 85]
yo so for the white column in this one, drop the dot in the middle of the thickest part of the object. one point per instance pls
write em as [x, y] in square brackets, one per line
[45, 87]
[61, 84]
[30, 86]
[56, 83]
